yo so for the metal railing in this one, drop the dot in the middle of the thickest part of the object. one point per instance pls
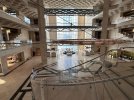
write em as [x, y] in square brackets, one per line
[63, 77]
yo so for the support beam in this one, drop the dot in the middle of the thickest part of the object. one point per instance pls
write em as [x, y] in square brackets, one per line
[104, 25]
[81, 34]
[42, 32]
[83, 27]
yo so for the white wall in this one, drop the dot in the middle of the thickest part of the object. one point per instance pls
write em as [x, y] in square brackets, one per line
[114, 33]
[47, 23]
[88, 21]
[24, 36]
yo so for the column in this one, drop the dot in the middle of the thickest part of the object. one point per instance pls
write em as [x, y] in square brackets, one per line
[19, 15]
[81, 34]
[104, 25]
[1, 36]
[52, 35]
[4, 66]
[42, 32]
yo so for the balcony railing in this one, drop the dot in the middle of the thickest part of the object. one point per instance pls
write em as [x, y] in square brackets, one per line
[5, 45]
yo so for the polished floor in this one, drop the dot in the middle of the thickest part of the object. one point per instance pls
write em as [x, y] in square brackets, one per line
[11, 82]
[71, 87]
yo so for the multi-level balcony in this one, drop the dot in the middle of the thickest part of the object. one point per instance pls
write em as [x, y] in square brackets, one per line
[12, 55]
[11, 21]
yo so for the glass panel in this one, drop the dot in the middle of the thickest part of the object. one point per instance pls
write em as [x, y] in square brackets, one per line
[67, 21]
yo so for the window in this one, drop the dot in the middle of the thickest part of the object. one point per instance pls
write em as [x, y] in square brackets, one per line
[27, 20]
[67, 34]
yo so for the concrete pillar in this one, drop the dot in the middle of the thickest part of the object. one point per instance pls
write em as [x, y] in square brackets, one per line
[4, 65]
[42, 32]
[1, 36]
[20, 15]
[104, 25]
[81, 34]
[52, 35]
[32, 36]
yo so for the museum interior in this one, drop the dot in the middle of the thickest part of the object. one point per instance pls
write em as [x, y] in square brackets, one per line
[67, 49]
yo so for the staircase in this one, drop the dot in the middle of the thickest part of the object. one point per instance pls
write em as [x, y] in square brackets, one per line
[12, 36]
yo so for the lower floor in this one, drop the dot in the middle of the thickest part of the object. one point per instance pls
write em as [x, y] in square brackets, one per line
[12, 81]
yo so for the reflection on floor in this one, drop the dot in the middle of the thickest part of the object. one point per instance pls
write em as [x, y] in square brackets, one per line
[81, 83]
[11, 82]
[103, 91]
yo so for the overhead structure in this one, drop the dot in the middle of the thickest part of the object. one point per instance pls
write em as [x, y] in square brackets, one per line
[65, 12]
[75, 4]
[71, 27]
[90, 41]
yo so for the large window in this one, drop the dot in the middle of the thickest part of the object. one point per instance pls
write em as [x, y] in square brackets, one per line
[67, 34]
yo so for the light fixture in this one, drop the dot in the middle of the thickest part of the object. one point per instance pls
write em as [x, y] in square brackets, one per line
[2, 28]
[8, 31]
[4, 8]
[133, 29]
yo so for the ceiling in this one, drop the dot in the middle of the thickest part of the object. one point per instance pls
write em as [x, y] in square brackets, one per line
[20, 5]
[76, 4]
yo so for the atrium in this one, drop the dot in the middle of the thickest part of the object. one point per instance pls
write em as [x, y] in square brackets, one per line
[67, 49]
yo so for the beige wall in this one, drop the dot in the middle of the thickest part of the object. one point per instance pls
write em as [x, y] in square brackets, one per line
[81, 34]
[23, 36]
[52, 35]
[52, 21]
[27, 53]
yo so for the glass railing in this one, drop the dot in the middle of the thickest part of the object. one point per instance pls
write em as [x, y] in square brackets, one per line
[5, 45]
[86, 69]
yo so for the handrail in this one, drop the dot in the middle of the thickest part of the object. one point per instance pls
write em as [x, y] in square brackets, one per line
[90, 59]
[66, 81]
[96, 57]
[84, 83]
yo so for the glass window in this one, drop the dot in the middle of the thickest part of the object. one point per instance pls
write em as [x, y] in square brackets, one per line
[67, 34]
[27, 20]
